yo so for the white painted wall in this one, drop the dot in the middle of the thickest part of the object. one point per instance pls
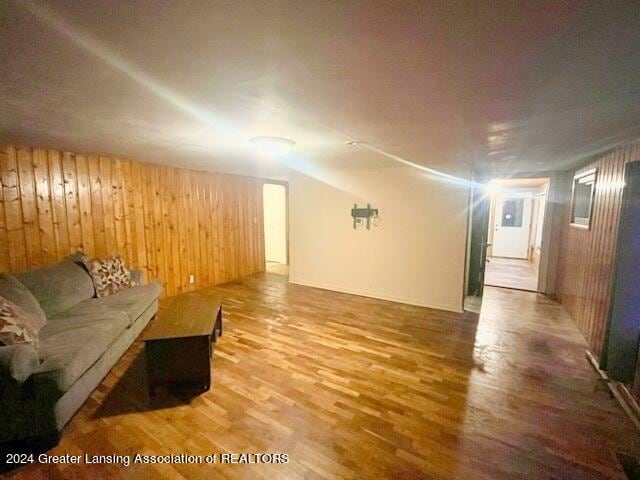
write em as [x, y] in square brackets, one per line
[415, 255]
[541, 203]
[275, 223]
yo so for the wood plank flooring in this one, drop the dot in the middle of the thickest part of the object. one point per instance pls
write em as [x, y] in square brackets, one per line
[511, 273]
[279, 268]
[352, 387]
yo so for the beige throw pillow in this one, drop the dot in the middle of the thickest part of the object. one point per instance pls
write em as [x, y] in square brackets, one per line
[109, 275]
[16, 325]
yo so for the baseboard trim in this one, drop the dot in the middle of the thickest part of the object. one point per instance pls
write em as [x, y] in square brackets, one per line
[369, 294]
[619, 392]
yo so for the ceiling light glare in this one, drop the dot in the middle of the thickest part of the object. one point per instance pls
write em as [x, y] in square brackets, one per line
[492, 187]
[272, 147]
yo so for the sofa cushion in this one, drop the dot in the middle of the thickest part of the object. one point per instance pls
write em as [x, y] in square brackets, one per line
[72, 342]
[16, 325]
[59, 286]
[17, 293]
[133, 301]
[88, 311]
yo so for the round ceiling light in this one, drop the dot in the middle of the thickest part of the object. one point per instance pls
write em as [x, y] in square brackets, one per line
[272, 147]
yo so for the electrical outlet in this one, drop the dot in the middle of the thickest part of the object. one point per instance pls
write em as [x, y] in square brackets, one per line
[192, 278]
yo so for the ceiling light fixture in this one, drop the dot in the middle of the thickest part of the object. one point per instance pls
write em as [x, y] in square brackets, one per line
[272, 147]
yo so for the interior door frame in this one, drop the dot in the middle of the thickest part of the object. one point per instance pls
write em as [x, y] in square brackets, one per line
[558, 196]
[285, 184]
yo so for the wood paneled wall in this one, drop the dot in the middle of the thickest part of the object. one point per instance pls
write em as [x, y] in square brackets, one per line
[170, 222]
[587, 257]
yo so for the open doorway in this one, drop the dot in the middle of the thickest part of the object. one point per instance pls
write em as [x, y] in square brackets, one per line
[276, 241]
[516, 222]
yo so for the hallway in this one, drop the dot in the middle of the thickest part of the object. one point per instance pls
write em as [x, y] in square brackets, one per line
[510, 273]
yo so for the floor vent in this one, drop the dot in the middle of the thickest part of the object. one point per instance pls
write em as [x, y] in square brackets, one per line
[630, 465]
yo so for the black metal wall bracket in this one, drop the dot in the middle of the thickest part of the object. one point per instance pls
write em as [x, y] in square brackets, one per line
[367, 213]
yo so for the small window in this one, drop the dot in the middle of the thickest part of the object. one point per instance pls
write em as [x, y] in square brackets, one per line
[512, 212]
[584, 188]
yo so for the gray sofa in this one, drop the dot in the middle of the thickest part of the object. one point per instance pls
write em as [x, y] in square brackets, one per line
[83, 338]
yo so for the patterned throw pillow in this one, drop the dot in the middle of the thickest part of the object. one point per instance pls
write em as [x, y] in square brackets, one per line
[109, 275]
[16, 325]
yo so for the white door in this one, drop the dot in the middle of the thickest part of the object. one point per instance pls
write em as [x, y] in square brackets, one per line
[512, 226]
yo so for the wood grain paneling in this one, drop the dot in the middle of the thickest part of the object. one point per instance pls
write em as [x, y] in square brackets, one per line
[170, 222]
[587, 257]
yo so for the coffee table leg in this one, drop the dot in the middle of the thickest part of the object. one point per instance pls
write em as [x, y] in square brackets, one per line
[151, 374]
[218, 325]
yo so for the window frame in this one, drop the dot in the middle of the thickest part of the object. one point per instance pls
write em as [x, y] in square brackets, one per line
[592, 199]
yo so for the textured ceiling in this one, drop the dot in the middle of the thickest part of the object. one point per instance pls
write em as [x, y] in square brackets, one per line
[506, 85]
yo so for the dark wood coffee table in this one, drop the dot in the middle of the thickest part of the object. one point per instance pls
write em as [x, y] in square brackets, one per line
[180, 341]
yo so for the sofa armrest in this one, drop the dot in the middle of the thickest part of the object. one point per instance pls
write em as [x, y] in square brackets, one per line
[20, 361]
[138, 277]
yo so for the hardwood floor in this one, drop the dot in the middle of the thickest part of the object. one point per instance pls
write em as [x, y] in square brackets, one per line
[511, 273]
[352, 387]
[279, 268]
